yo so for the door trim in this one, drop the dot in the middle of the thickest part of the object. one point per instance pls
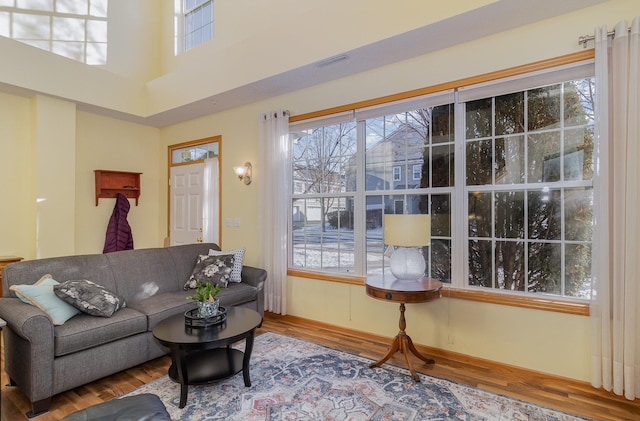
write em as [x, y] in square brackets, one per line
[213, 139]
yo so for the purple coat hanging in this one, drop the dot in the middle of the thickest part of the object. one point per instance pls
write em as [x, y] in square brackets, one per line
[119, 235]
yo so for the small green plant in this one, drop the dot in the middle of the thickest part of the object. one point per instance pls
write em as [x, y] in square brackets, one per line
[205, 292]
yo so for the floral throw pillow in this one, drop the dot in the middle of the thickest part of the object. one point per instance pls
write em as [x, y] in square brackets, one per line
[211, 269]
[89, 297]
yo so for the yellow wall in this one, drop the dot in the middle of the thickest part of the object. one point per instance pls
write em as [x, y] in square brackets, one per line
[538, 340]
[48, 154]
[17, 178]
[108, 144]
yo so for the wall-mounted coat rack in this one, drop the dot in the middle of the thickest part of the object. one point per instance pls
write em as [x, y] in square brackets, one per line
[109, 183]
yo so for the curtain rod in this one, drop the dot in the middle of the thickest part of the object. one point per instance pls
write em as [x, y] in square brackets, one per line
[586, 38]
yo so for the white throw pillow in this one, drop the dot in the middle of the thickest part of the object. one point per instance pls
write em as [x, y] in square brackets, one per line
[238, 255]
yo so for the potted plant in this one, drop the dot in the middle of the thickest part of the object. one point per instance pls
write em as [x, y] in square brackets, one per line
[206, 296]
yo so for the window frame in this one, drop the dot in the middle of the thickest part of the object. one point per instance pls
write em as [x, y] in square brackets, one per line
[544, 302]
[180, 27]
[90, 51]
[397, 173]
[417, 175]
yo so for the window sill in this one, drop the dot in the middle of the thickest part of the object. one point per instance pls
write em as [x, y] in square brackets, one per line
[536, 303]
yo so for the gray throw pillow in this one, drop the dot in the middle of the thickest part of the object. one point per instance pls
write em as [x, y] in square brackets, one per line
[211, 269]
[89, 297]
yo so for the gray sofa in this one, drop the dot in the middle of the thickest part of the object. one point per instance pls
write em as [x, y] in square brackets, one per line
[44, 360]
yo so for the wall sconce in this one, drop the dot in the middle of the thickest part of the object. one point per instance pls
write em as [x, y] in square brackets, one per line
[243, 172]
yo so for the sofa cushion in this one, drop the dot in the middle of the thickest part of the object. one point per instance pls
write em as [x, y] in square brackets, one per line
[211, 269]
[142, 273]
[85, 331]
[161, 306]
[238, 256]
[42, 296]
[89, 297]
[236, 294]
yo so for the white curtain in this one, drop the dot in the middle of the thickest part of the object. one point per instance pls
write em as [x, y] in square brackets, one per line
[615, 305]
[273, 205]
[210, 206]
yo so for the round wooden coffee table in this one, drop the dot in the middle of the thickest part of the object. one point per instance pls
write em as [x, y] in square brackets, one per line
[205, 355]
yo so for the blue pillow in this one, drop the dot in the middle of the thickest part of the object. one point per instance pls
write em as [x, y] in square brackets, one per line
[42, 296]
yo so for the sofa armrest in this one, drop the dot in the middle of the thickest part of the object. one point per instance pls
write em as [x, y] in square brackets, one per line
[28, 350]
[27, 321]
[254, 276]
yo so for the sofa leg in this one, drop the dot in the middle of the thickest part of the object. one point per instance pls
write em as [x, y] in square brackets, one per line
[39, 407]
[11, 383]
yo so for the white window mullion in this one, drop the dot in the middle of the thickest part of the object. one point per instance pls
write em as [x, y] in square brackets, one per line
[459, 205]
[359, 206]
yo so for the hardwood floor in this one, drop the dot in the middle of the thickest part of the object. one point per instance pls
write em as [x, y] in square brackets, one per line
[559, 393]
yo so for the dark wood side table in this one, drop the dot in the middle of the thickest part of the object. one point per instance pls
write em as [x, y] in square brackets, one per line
[387, 288]
[4, 261]
[204, 355]
[2, 324]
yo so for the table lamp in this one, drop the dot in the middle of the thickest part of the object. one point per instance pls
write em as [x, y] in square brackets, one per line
[407, 232]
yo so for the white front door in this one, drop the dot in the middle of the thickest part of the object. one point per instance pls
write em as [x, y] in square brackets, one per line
[186, 192]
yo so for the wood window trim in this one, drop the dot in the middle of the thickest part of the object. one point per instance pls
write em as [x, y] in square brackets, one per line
[533, 302]
[546, 303]
[486, 77]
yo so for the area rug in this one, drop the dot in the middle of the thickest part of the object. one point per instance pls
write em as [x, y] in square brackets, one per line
[292, 379]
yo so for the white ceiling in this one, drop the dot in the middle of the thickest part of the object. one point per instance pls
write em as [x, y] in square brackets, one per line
[488, 20]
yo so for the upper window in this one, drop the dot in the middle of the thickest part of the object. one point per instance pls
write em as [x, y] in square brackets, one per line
[76, 29]
[417, 172]
[397, 173]
[194, 23]
[511, 211]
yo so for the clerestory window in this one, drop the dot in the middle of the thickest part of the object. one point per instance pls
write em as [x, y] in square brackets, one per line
[193, 23]
[76, 29]
[504, 168]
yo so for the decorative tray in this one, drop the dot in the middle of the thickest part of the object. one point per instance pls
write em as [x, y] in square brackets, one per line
[191, 318]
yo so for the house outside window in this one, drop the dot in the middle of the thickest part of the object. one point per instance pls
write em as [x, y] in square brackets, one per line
[512, 212]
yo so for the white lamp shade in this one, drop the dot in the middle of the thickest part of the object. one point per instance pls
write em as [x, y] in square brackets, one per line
[407, 230]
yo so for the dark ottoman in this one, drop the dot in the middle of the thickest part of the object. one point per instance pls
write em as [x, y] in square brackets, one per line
[145, 407]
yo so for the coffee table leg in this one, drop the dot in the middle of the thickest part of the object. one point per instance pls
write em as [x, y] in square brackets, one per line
[179, 360]
[247, 356]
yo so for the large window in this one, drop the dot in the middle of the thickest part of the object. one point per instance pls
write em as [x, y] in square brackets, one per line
[504, 169]
[75, 29]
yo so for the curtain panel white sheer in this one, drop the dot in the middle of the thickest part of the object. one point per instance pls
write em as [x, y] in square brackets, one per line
[273, 205]
[210, 206]
[615, 305]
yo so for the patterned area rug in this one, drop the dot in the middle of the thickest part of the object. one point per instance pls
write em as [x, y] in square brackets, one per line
[298, 380]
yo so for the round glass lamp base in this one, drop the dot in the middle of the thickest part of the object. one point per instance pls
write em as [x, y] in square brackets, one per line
[407, 263]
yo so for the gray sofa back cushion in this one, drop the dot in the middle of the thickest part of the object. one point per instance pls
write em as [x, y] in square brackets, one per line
[144, 273]
[94, 267]
[185, 256]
